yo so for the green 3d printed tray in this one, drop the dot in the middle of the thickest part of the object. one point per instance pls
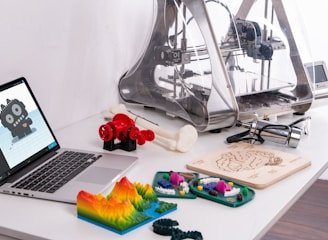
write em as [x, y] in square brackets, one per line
[222, 191]
[164, 187]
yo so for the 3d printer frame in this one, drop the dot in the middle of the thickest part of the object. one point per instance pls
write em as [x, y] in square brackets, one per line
[186, 72]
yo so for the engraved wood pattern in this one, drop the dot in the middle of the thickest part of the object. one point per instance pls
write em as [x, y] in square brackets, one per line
[248, 164]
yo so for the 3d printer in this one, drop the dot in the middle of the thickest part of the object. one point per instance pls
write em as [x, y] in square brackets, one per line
[212, 67]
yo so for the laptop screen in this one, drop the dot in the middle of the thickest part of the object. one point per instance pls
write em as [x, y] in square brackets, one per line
[24, 133]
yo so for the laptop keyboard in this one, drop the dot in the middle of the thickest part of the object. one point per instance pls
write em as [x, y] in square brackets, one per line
[53, 175]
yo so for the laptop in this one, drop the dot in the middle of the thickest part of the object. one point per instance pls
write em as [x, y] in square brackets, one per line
[29, 150]
[318, 74]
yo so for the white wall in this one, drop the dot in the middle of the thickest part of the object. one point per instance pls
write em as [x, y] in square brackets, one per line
[74, 51]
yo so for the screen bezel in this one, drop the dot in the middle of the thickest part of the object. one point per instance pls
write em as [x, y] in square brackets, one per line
[37, 155]
[309, 67]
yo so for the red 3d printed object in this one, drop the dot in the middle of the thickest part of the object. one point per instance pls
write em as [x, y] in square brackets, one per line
[124, 130]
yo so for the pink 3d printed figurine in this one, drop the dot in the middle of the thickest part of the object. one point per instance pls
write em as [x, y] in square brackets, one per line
[175, 178]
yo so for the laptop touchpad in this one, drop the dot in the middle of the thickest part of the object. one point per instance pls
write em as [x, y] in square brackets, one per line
[99, 175]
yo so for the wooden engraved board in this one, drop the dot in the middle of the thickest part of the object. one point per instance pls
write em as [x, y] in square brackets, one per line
[249, 164]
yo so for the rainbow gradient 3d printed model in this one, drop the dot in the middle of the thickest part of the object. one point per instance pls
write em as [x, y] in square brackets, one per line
[127, 207]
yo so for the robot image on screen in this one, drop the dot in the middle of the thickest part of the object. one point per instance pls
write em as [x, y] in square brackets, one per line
[214, 63]
[22, 129]
[14, 116]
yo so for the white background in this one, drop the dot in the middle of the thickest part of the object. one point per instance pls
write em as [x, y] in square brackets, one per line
[73, 52]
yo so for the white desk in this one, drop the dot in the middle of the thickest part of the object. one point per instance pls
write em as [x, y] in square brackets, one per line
[31, 218]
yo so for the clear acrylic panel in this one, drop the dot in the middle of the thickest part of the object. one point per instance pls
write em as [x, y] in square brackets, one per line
[213, 62]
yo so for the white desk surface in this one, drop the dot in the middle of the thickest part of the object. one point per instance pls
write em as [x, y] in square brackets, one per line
[29, 218]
